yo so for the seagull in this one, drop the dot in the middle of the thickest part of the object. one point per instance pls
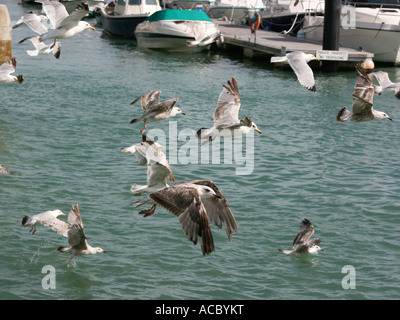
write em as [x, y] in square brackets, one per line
[302, 243]
[64, 25]
[158, 170]
[76, 237]
[226, 116]
[195, 202]
[48, 219]
[298, 61]
[201, 37]
[154, 110]
[33, 21]
[385, 83]
[5, 72]
[362, 101]
[4, 170]
[42, 48]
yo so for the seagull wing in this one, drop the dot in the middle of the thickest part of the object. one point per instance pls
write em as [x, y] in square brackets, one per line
[148, 99]
[362, 101]
[302, 70]
[184, 202]
[157, 175]
[228, 103]
[81, 11]
[33, 21]
[8, 67]
[218, 209]
[162, 106]
[305, 233]
[76, 237]
[74, 216]
[383, 78]
[55, 11]
[47, 219]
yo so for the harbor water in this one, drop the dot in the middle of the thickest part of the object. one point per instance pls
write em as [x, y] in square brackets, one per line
[61, 132]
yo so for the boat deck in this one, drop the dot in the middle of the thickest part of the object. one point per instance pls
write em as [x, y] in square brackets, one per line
[269, 43]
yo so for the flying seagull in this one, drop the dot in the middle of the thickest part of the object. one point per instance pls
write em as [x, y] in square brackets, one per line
[42, 48]
[226, 116]
[5, 72]
[33, 21]
[48, 219]
[158, 170]
[195, 202]
[76, 237]
[302, 243]
[154, 110]
[64, 25]
[363, 96]
[385, 83]
[298, 61]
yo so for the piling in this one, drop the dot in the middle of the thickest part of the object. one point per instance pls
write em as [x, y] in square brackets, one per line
[331, 32]
[5, 35]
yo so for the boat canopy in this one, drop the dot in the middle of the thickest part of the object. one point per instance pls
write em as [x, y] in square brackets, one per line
[179, 15]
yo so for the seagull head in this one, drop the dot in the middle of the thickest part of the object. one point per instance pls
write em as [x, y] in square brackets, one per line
[254, 127]
[315, 249]
[382, 115]
[98, 249]
[57, 213]
[207, 192]
[176, 110]
[85, 25]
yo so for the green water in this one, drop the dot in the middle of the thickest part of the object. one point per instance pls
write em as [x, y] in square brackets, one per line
[61, 132]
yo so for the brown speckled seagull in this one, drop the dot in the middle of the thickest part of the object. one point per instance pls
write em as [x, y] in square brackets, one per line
[226, 116]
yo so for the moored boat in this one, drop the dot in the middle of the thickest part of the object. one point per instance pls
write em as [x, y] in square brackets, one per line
[177, 30]
[122, 19]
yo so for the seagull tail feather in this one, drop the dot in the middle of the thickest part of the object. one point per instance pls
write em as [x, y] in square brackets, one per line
[203, 133]
[134, 121]
[20, 78]
[343, 115]
[27, 221]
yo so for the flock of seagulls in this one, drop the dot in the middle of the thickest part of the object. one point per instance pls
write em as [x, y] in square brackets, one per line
[196, 203]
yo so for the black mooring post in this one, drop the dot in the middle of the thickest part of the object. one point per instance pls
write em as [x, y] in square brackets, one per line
[331, 32]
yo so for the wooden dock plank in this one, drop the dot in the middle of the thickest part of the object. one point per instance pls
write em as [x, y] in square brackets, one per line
[275, 44]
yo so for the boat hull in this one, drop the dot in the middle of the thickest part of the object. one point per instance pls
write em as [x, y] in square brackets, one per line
[383, 41]
[122, 26]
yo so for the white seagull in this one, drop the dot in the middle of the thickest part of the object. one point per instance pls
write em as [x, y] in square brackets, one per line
[158, 170]
[76, 237]
[42, 48]
[154, 110]
[48, 219]
[298, 61]
[226, 116]
[385, 83]
[34, 22]
[302, 243]
[195, 202]
[5, 73]
[64, 25]
[363, 96]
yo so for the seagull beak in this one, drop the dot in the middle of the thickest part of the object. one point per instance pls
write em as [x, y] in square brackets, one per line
[93, 28]
[62, 213]
[259, 131]
[390, 119]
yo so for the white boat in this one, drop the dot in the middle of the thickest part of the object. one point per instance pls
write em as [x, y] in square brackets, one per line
[238, 11]
[369, 27]
[288, 15]
[192, 4]
[122, 19]
[177, 30]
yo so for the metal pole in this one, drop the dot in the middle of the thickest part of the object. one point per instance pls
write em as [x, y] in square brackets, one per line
[331, 32]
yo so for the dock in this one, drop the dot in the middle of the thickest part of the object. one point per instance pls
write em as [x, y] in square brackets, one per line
[268, 43]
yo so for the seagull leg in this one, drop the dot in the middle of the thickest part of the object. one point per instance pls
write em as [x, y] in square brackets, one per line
[144, 128]
[33, 227]
[69, 261]
[148, 212]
